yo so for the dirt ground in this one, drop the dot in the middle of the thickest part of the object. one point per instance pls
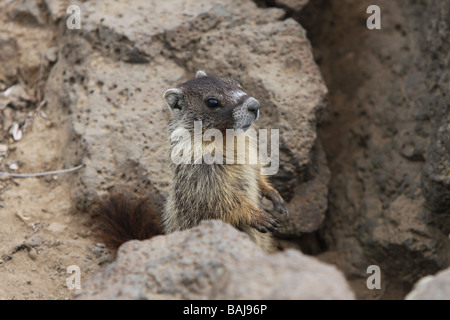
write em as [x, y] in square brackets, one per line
[40, 236]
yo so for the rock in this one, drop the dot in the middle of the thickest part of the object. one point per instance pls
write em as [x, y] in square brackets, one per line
[292, 5]
[52, 54]
[212, 261]
[436, 174]
[111, 77]
[386, 139]
[432, 287]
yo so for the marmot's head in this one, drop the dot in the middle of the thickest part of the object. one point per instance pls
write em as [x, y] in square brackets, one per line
[219, 103]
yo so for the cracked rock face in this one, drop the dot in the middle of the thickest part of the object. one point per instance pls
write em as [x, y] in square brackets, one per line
[386, 138]
[111, 74]
[212, 261]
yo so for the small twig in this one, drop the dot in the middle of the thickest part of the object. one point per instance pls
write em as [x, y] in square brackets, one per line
[40, 174]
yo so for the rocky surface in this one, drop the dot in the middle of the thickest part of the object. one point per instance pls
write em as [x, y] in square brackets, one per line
[386, 138]
[212, 261]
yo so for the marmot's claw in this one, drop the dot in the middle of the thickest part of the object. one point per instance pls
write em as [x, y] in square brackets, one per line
[266, 224]
[262, 229]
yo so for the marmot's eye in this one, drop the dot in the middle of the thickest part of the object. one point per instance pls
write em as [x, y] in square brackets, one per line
[212, 103]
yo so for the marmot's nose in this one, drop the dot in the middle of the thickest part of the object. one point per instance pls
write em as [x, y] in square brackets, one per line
[253, 106]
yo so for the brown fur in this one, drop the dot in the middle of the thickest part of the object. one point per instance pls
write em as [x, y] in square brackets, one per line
[123, 218]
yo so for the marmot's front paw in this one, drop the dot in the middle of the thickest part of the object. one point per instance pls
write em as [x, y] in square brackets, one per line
[265, 223]
[272, 194]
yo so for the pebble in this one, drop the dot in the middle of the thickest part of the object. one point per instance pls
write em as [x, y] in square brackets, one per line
[32, 254]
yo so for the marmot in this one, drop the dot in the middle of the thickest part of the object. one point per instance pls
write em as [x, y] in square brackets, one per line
[199, 190]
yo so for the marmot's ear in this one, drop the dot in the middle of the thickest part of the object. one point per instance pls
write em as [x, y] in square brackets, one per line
[200, 73]
[174, 98]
